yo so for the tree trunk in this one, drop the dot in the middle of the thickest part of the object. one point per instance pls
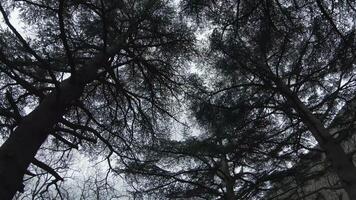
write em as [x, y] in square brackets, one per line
[341, 162]
[230, 193]
[228, 180]
[18, 151]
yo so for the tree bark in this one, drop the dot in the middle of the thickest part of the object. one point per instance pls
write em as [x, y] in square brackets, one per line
[18, 151]
[341, 162]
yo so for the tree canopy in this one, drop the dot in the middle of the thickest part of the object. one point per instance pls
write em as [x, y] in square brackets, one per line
[271, 83]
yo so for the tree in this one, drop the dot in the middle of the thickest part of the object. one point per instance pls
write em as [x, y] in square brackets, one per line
[95, 72]
[108, 72]
[316, 178]
[299, 53]
[239, 152]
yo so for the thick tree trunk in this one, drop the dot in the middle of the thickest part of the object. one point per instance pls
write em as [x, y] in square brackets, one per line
[18, 151]
[341, 162]
[20, 148]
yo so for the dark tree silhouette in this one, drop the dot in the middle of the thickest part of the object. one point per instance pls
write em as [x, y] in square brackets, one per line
[300, 53]
[122, 62]
[240, 152]
[106, 76]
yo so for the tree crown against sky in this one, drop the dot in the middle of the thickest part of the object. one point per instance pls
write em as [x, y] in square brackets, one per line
[119, 63]
[291, 59]
[109, 73]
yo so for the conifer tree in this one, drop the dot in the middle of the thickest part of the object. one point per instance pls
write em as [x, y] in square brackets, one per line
[92, 72]
[300, 53]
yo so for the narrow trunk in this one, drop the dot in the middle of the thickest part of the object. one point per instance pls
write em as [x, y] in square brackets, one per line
[18, 151]
[341, 162]
[228, 180]
[230, 193]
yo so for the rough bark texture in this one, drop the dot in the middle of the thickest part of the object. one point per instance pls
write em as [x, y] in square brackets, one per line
[18, 151]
